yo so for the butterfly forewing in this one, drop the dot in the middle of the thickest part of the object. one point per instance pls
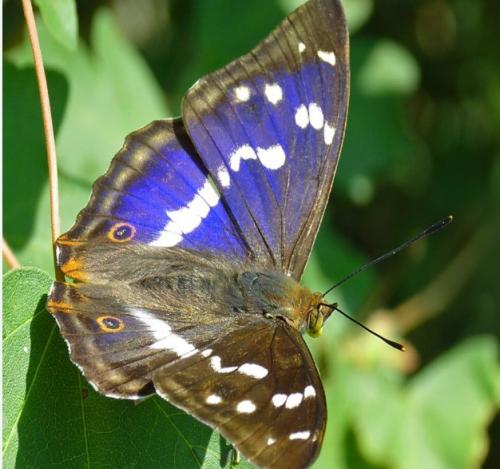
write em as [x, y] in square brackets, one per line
[158, 192]
[269, 127]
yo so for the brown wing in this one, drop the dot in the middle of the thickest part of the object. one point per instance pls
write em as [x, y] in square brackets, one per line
[259, 387]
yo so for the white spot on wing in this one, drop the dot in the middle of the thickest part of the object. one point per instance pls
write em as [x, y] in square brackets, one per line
[216, 364]
[302, 47]
[245, 152]
[209, 193]
[316, 116]
[165, 338]
[167, 238]
[309, 391]
[242, 93]
[207, 352]
[214, 399]
[329, 133]
[271, 441]
[186, 219]
[278, 399]
[273, 157]
[302, 117]
[293, 400]
[328, 57]
[246, 407]
[223, 176]
[274, 93]
[300, 435]
[253, 370]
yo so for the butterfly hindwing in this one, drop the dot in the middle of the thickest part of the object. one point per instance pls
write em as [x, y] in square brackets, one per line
[269, 127]
[259, 387]
[249, 376]
[144, 307]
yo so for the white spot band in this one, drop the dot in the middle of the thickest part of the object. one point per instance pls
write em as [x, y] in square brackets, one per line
[165, 338]
[186, 219]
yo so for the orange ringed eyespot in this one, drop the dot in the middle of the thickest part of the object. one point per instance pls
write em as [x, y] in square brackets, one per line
[121, 232]
[110, 324]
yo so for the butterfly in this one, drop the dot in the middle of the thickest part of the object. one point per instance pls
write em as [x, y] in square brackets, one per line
[186, 262]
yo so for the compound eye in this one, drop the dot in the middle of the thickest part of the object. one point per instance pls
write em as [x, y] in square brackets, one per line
[315, 323]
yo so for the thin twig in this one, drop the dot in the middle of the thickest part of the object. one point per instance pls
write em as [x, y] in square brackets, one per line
[9, 257]
[47, 127]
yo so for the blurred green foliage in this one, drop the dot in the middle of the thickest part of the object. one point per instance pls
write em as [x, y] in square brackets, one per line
[422, 141]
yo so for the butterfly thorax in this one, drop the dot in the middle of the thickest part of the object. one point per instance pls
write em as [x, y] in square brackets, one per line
[278, 296]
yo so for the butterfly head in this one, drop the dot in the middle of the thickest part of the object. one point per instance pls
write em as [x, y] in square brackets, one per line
[318, 315]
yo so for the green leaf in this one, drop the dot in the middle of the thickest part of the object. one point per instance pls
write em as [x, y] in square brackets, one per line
[440, 419]
[377, 146]
[53, 417]
[358, 12]
[390, 68]
[112, 93]
[61, 19]
[25, 166]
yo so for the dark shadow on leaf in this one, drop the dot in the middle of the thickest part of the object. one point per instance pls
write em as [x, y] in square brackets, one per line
[226, 452]
[354, 457]
[25, 162]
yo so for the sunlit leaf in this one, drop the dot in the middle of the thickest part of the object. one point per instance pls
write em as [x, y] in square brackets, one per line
[61, 19]
[439, 419]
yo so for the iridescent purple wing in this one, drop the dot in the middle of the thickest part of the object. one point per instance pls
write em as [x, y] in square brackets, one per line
[157, 192]
[269, 128]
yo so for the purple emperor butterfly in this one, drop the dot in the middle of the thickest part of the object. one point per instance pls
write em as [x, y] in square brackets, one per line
[187, 259]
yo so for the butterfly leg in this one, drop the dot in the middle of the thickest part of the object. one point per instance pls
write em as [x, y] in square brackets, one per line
[235, 457]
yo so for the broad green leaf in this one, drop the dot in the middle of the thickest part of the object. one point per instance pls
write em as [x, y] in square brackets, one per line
[52, 417]
[439, 419]
[61, 19]
[111, 94]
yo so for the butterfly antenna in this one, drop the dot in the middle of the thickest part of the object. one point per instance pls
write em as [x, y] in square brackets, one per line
[431, 230]
[392, 343]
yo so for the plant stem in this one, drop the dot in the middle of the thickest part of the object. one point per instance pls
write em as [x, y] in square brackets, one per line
[9, 257]
[47, 126]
